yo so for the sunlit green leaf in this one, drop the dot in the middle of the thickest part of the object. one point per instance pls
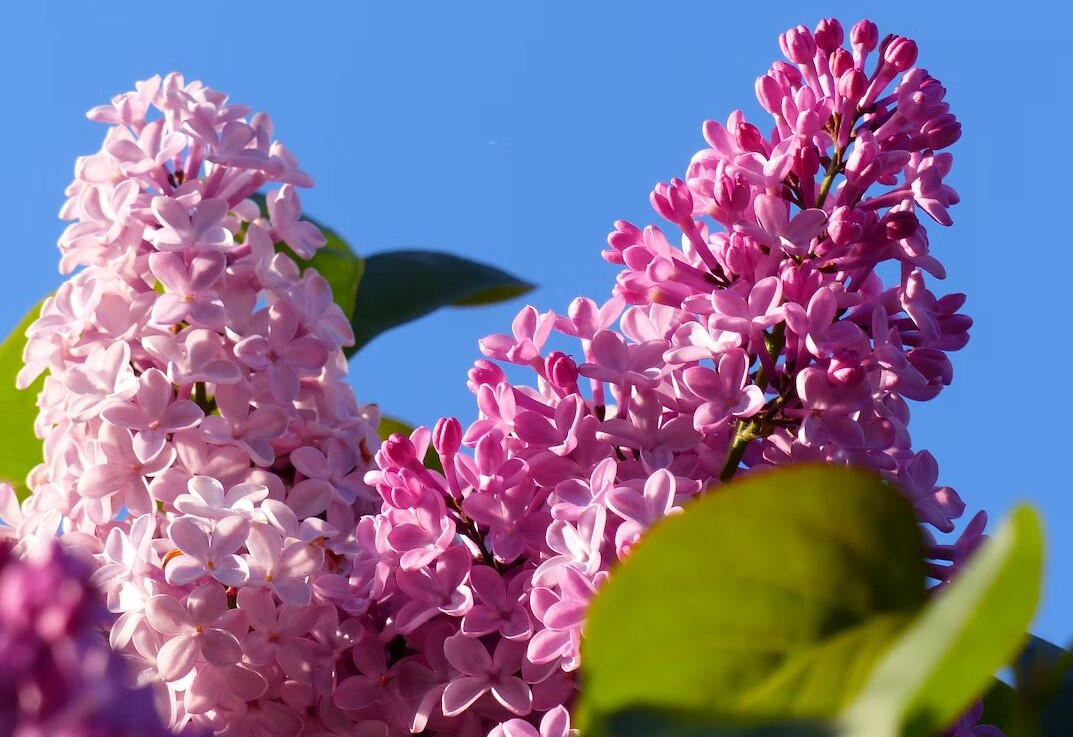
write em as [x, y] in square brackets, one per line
[718, 602]
[945, 659]
[641, 722]
[18, 410]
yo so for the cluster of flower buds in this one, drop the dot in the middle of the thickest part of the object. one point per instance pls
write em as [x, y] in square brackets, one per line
[60, 678]
[767, 335]
[201, 440]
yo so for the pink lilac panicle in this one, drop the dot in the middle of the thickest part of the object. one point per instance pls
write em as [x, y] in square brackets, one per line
[763, 335]
[202, 444]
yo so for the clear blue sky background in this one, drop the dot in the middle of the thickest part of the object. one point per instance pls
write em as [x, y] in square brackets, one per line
[516, 133]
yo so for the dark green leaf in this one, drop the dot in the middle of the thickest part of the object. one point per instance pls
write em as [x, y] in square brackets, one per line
[1044, 677]
[999, 706]
[400, 286]
[754, 574]
[18, 410]
[945, 659]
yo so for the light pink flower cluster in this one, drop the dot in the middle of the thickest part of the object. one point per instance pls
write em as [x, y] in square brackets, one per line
[764, 335]
[59, 677]
[201, 441]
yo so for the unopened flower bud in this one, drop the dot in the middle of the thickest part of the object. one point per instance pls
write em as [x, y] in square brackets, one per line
[769, 93]
[731, 191]
[840, 62]
[829, 34]
[673, 201]
[844, 226]
[900, 224]
[750, 138]
[562, 371]
[447, 436]
[941, 132]
[485, 372]
[798, 45]
[900, 52]
[400, 451]
[853, 84]
[864, 36]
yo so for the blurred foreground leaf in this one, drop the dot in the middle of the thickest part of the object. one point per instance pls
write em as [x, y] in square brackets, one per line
[787, 581]
[945, 659]
[653, 723]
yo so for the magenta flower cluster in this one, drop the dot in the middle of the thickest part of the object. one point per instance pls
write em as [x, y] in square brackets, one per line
[60, 678]
[763, 334]
[200, 439]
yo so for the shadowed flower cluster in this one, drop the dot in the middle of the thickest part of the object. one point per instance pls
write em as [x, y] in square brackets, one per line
[763, 334]
[60, 678]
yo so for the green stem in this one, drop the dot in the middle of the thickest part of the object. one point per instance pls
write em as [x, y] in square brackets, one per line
[829, 179]
[202, 398]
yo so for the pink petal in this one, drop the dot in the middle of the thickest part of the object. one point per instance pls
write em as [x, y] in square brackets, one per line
[190, 536]
[147, 444]
[461, 693]
[514, 694]
[310, 497]
[100, 481]
[259, 608]
[220, 647]
[468, 655]
[207, 603]
[167, 616]
[177, 657]
[231, 571]
[293, 591]
[184, 570]
[300, 559]
[480, 620]
[357, 692]
[230, 534]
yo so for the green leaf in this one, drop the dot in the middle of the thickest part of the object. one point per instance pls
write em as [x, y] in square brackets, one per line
[389, 425]
[18, 410]
[819, 680]
[400, 286]
[721, 602]
[999, 706]
[945, 659]
[642, 722]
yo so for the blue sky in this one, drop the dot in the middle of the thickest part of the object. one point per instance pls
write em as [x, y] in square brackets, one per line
[516, 133]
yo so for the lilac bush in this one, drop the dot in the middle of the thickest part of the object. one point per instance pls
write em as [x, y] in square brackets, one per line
[202, 445]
